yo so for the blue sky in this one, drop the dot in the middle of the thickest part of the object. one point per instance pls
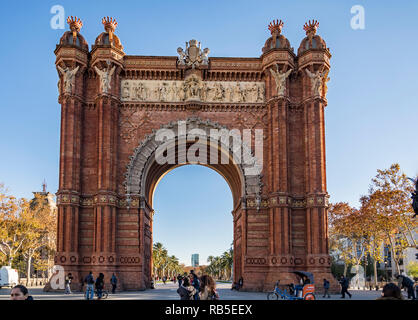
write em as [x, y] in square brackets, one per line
[372, 101]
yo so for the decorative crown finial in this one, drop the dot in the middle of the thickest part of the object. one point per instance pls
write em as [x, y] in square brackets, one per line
[110, 24]
[311, 26]
[276, 26]
[75, 23]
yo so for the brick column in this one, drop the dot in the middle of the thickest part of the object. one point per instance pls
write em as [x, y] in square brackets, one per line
[69, 183]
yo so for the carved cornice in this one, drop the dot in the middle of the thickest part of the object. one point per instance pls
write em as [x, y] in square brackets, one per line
[272, 201]
[119, 201]
[66, 97]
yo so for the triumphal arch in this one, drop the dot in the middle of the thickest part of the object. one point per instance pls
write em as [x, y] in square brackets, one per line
[127, 120]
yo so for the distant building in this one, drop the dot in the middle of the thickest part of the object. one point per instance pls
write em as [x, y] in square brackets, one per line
[49, 197]
[195, 260]
[46, 255]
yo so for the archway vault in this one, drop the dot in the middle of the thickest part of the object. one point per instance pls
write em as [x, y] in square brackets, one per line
[144, 172]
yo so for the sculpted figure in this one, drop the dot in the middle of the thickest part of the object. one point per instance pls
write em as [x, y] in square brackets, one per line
[204, 93]
[162, 92]
[280, 79]
[140, 92]
[126, 91]
[252, 93]
[316, 81]
[193, 88]
[182, 56]
[260, 94]
[193, 56]
[204, 56]
[68, 77]
[105, 77]
[173, 92]
[237, 96]
[219, 92]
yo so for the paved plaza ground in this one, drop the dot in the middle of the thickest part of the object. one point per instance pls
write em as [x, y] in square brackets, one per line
[168, 292]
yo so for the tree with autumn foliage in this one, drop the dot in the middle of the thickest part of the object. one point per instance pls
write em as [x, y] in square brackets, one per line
[348, 237]
[28, 229]
[389, 207]
[11, 233]
[39, 220]
[385, 217]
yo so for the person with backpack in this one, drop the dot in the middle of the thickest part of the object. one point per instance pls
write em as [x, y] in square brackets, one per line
[114, 282]
[186, 291]
[344, 287]
[100, 285]
[89, 280]
[326, 288]
[207, 289]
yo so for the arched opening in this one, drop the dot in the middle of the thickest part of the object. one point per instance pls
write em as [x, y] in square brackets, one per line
[146, 170]
[153, 174]
[192, 206]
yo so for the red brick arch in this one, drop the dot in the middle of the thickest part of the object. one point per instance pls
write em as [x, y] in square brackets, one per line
[107, 175]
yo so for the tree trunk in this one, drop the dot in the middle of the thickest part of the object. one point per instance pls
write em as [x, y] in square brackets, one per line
[375, 271]
[28, 270]
[345, 269]
[392, 249]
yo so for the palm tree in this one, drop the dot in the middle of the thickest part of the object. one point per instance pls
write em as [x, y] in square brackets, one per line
[221, 267]
[163, 264]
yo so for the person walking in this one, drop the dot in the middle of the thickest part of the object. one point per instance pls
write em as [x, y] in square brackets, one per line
[195, 283]
[207, 289]
[405, 282]
[68, 280]
[100, 285]
[391, 292]
[89, 280]
[179, 279]
[164, 279]
[344, 287]
[186, 291]
[114, 282]
[326, 288]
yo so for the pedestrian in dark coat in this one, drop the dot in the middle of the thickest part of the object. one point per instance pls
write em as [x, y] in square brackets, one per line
[114, 282]
[344, 287]
[196, 284]
[179, 279]
[100, 285]
[407, 283]
[326, 288]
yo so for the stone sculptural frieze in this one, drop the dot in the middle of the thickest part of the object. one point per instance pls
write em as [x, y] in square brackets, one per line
[192, 89]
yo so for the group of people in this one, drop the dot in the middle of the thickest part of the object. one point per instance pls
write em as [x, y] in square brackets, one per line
[192, 287]
[390, 290]
[97, 284]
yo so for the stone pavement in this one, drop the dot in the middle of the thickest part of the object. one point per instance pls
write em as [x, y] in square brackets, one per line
[168, 292]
